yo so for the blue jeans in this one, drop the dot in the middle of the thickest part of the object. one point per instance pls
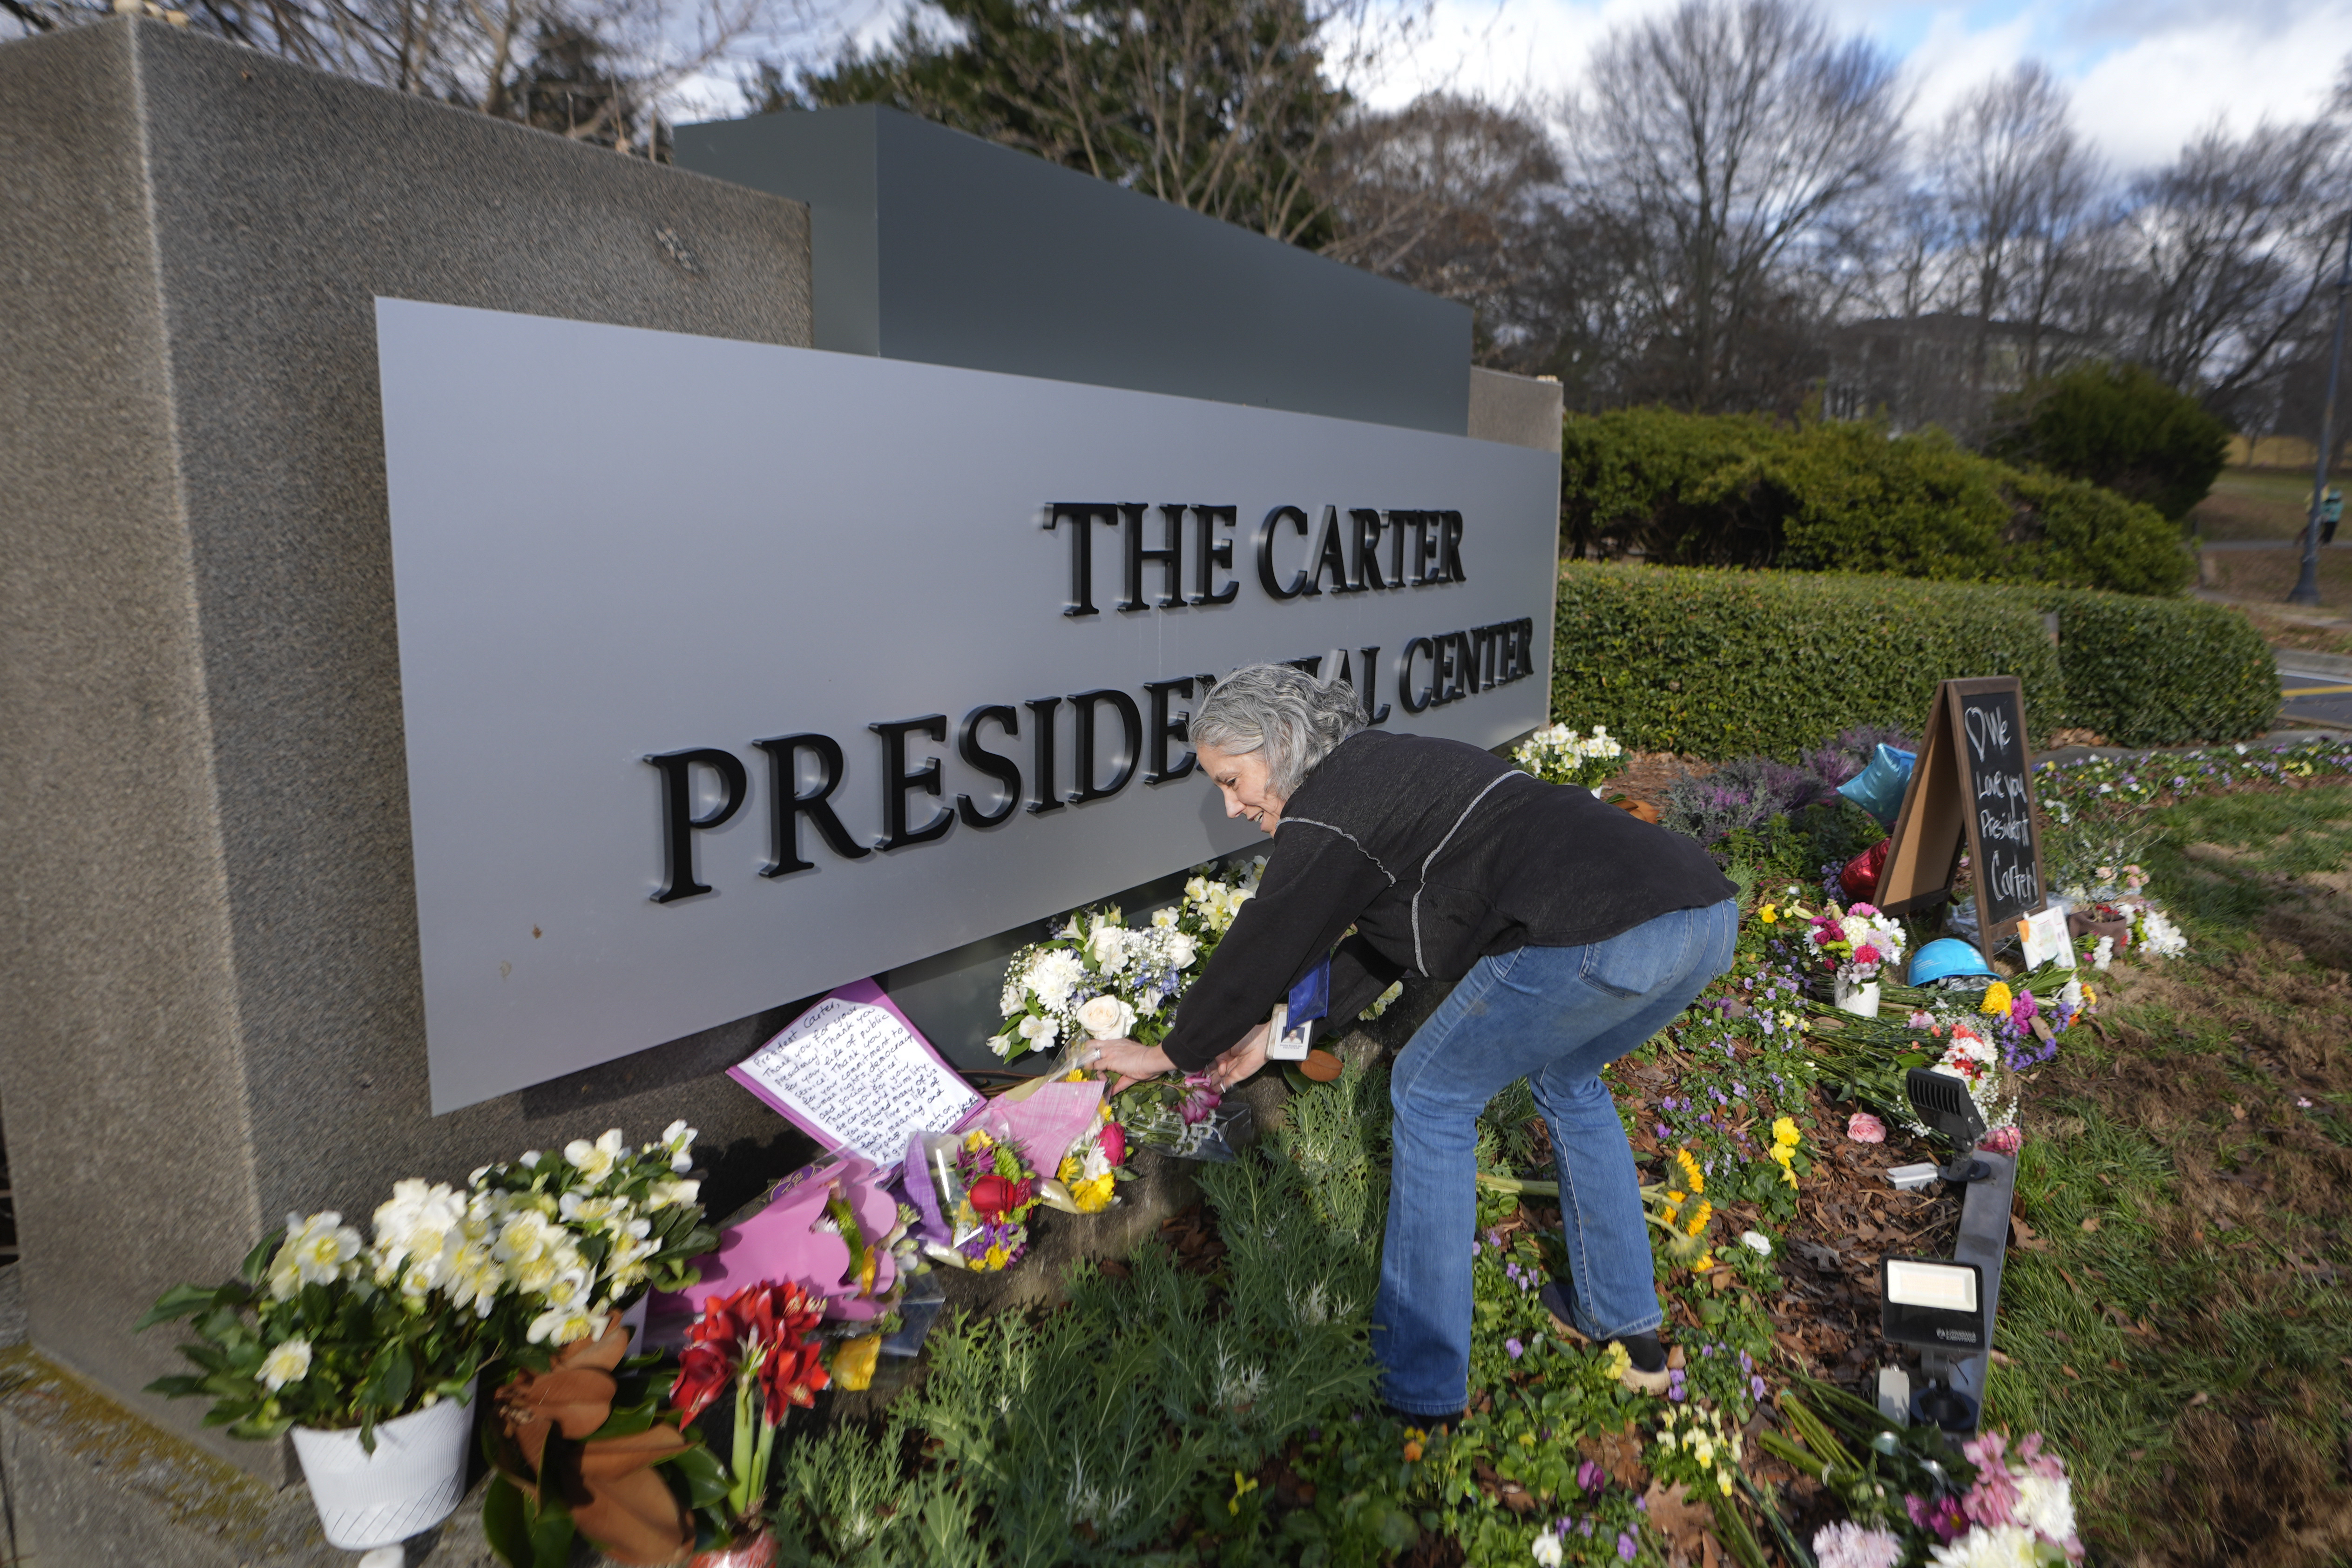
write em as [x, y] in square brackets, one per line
[1556, 1017]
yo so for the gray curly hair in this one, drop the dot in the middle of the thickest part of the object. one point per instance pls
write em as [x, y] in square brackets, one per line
[1295, 719]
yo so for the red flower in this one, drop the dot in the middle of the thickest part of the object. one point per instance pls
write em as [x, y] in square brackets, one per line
[732, 1330]
[1112, 1139]
[994, 1197]
[790, 1375]
[1865, 954]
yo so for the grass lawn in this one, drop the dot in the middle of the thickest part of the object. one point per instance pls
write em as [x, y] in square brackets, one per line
[2268, 574]
[2255, 503]
[2172, 1310]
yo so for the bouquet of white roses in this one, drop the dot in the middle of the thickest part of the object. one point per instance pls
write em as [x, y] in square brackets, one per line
[1558, 754]
[1098, 978]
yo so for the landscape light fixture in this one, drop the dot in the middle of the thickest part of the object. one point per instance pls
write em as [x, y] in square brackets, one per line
[1942, 1102]
[1936, 1305]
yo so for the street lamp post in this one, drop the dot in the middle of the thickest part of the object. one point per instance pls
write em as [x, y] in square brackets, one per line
[2306, 586]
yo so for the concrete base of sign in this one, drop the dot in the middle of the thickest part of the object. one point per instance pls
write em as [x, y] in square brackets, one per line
[210, 948]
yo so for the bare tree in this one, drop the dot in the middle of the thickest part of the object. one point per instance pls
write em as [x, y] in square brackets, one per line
[1448, 195]
[2017, 182]
[595, 70]
[2226, 250]
[1725, 141]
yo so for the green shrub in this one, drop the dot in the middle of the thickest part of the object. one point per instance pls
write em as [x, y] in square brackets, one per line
[2162, 672]
[2119, 427]
[1731, 664]
[1738, 490]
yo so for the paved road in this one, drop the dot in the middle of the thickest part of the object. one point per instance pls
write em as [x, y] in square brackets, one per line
[2312, 698]
[2343, 541]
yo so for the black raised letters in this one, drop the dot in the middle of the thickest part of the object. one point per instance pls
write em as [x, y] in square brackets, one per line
[1405, 693]
[980, 760]
[1301, 583]
[1082, 706]
[1042, 798]
[787, 804]
[1168, 557]
[1331, 557]
[1449, 551]
[679, 822]
[1210, 553]
[1368, 549]
[1081, 516]
[1163, 729]
[897, 781]
[1367, 684]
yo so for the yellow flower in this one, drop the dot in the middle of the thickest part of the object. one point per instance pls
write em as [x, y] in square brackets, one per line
[1723, 1480]
[1617, 1359]
[1705, 1261]
[1068, 1170]
[1785, 1133]
[1073, 1076]
[1698, 1221]
[995, 1257]
[2090, 998]
[1766, 914]
[977, 1141]
[1697, 1183]
[1996, 999]
[1242, 1487]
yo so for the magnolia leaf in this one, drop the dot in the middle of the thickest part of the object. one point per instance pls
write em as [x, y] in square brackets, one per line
[705, 1477]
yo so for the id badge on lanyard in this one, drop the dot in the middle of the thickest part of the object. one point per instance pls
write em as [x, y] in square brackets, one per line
[1295, 1018]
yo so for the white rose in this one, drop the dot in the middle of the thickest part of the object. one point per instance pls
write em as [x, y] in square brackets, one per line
[1182, 950]
[1105, 1018]
[1109, 949]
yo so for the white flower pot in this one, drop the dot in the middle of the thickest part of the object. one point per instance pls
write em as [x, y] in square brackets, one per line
[1859, 998]
[411, 1482]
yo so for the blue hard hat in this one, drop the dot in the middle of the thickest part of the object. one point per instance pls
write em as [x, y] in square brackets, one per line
[1945, 957]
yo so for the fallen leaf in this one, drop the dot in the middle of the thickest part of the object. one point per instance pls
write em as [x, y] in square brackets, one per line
[1997, 1357]
[2069, 1371]
[1682, 1523]
[2198, 1399]
[2237, 1112]
[1676, 1358]
[2090, 1223]
[1720, 1278]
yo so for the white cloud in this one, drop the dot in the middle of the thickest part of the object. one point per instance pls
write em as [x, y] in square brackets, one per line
[2146, 77]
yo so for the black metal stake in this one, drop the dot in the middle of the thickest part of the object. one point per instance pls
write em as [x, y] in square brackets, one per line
[2306, 587]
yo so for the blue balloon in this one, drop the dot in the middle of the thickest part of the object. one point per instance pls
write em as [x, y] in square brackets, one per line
[1878, 788]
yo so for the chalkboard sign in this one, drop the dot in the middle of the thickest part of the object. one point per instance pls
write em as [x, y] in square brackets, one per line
[1970, 790]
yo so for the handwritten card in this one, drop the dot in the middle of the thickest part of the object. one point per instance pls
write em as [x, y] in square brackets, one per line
[853, 1073]
[2046, 940]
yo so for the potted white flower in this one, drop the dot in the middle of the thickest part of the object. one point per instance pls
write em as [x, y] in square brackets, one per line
[367, 1355]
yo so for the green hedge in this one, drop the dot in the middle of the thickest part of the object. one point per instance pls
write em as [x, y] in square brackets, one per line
[1727, 664]
[1740, 491]
[2162, 672]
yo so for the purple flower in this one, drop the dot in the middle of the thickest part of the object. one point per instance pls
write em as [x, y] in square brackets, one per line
[1757, 1385]
[1661, 1131]
[1516, 1349]
[1626, 1546]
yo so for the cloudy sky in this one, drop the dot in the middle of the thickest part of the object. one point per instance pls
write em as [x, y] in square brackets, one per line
[2146, 75]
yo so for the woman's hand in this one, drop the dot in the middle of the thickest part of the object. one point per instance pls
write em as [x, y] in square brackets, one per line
[1132, 1060]
[1237, 1064]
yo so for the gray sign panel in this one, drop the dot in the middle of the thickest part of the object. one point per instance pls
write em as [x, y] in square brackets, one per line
[625, 559]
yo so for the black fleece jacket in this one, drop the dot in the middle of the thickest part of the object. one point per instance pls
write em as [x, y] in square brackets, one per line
[1438, 854]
